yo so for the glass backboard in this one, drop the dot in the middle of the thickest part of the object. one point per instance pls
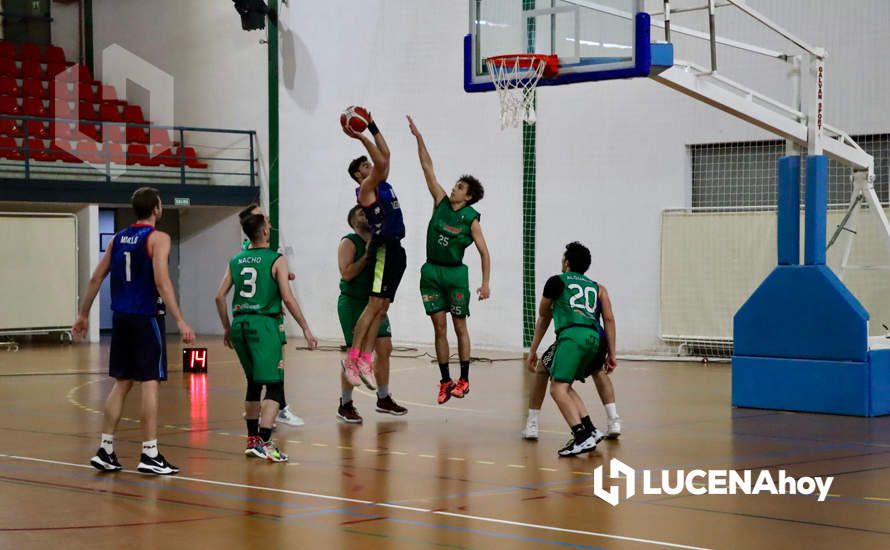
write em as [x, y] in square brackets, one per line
[594, 39]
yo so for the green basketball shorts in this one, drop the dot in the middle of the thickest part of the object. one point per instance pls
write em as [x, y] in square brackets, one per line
[349, 310]
[445, 288]
[257, 341]
[576, 349]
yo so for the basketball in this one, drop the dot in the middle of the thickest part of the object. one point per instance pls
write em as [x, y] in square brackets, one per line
[356, 117]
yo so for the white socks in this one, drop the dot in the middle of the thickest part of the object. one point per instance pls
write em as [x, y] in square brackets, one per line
[107, 443]
[611, 411]
[533, 415]
[150, 448]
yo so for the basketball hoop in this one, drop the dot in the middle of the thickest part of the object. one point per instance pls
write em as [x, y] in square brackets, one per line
[515, 78]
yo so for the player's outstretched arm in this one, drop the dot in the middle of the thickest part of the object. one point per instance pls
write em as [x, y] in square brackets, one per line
[476, 232]
[349, 270]
[379, 141]
[368, 187]
[81, 324]
[280, 272]
[609, 326]
[426, 164]
[159, 246]
[545, 315]
[221, 308]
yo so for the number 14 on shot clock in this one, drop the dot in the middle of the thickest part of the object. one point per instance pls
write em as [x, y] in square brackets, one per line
[194, 360]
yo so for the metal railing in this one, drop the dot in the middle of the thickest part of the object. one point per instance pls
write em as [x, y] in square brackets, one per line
[234, 163]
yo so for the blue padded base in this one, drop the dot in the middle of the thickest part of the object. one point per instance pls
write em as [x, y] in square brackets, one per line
[802, 312]
[806, 385]
[879, 361]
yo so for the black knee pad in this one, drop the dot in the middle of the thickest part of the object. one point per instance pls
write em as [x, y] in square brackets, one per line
[275, 392]
[253, 392]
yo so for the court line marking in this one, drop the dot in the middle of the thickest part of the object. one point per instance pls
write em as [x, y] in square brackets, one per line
[426, 405]
[381, 504]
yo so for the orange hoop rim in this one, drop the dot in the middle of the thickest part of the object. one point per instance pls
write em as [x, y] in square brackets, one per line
[528, 61]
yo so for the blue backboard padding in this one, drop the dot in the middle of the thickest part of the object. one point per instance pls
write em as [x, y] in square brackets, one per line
[643, 62]
[879, 363]
[835, 387]
[802, 312]
[817, 210]
[662, 57]
[788, 202]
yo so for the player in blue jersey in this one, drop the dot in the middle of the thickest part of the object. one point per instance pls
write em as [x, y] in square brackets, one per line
[141, 291]
[386, 257]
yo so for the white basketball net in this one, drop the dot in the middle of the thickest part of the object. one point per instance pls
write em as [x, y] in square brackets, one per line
[516, 85]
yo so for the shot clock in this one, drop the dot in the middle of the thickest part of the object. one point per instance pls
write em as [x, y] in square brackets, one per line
[194, 360]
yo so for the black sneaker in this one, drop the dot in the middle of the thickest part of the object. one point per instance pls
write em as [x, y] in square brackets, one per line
[157, 465]
[347, 413]
[388, 406]
[573, 447]
[105, 462]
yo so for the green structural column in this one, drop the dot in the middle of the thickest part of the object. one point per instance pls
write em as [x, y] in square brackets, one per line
[88, 35]
[528, 232]
[273, 122]
[529, 162]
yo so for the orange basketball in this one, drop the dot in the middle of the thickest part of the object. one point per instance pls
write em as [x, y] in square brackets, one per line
[356, 117]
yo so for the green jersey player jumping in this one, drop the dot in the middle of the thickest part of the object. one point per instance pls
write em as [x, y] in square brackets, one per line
[444, 278]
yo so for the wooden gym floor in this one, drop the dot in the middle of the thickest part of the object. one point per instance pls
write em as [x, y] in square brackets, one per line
[454, 476]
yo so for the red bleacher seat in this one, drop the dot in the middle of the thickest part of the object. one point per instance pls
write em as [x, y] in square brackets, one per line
[9, 150]
[37, 128]
[87, 112]
[136, 135]
[137, 154]
[62, 154]
[163, 156]
[115, 152]
[81, 73]
[53, 69]
[62, 109]
[191, 158]
[33, 69]
[53, 54]
[33, 106]
[7, 50]
[88, 152]
[33, 148]
[91, 131]
[133, 113]
[115, 133]
[87, 93]
[8, 86]
[108, 93]
[109, 111]
[34, 88]
[29, 52]
[9, 105]
[10, 127]
[63, 90]
[160, 136]
[8, 67]
[64, 130]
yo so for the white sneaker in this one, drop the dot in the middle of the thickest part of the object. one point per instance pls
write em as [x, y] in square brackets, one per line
[573, 448]
[598, 435]
[531, 430]
[614, 429]
[289, 418]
